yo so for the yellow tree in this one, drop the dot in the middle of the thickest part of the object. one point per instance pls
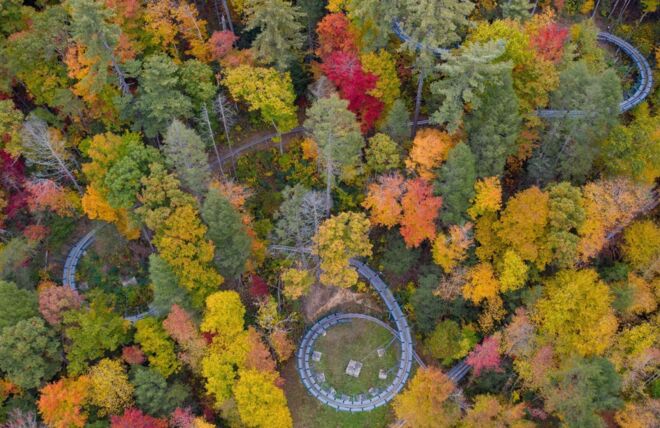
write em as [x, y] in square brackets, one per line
[382, 64]
[96, 207]
[183, 245]
[159, 348]
[609, 204]
[641, 245]
[296, 282]
[425, 402]
[449, 251]
[110, 389]
[223, 319]
[523, 223]
[260, 403]
[489, 411]
[575, 313]
[267, 91]
[487, 197]
[481, 283]
[512, 271]
[339, 239]
[429, 151]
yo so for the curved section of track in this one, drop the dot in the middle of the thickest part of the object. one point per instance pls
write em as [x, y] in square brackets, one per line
[71, 263]
[643, 85]
[360, 403]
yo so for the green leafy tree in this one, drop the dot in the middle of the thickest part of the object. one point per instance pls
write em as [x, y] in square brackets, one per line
[159, 97]
[124, 178]
[565, 217]
[197, 81]
[455, 183]
[154, 395]
[449, 342]
[493, 127]
[16, 304]
[92, 332]
[337, 134]
[569, 147]
[30, 353]
[280, 35]
[583, 390]
[228, 233]
[185, 151]
[157, 345]
[634, 150]
[383, 154]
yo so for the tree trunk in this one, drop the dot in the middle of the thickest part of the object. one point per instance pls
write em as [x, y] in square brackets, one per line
[418, 103]
[328, 186]
[536, 4]
[120, 74]
[225, 126]
[217, 13]
[225, 6]
[207, 120]
[595, 9]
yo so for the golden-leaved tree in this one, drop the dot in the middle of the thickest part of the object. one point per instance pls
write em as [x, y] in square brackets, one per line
[575, 313]
[339, 239]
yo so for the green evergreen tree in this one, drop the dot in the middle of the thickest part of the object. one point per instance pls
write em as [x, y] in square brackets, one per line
[465, 78]
[166, 287]
[518, 10]
[228, 233]
[455, 183]
[397, 122]
[154, 395]
[434, 24]
[570, 144]
[280, 35]
[159, 98]
[185, 151]
[493, 127]
[337, 134]
[92, 28]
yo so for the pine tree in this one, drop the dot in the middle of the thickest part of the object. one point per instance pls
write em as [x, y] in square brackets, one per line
[592, 105]
[228, 233]
[184, 150]
[455, 183]
[493, 127]
[337, 135]
[466, 76]
[433, 24]
[281, 31]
